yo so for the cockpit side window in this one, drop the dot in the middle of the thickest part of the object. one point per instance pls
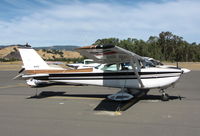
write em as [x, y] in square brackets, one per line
[125, 66]
[110, 67]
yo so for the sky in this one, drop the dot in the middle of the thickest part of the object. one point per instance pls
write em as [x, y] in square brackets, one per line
[82, 22]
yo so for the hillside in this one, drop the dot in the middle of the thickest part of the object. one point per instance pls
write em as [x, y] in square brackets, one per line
[12, 53]
[59, 47]
[9, 52]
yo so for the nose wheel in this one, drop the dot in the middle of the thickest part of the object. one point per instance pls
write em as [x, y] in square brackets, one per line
[164, 96]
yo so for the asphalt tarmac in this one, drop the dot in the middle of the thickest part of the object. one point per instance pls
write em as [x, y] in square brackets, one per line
[84, 110]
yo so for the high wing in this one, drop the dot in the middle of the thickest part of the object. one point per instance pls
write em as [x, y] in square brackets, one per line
[108, 54]
[112, 54]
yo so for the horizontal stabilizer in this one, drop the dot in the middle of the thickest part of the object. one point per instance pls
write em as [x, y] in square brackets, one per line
[34, 76]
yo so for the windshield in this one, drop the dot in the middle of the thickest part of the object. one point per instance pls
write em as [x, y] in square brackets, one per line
[148, 63]
[155, 62]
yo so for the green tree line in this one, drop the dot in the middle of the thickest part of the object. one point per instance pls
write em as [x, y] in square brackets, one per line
[165, 47]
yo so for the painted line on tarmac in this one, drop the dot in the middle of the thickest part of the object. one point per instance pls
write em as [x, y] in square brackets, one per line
[110, 113]
[75, 98]
[7, 69]
[12, 86]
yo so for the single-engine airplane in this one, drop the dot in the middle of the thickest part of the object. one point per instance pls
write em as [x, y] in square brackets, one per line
[119, 68]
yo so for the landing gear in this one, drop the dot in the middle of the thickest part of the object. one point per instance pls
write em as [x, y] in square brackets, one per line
[164, 96]
[36, 92]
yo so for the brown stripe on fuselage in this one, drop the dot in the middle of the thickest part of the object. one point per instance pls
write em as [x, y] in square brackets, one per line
[58, 71]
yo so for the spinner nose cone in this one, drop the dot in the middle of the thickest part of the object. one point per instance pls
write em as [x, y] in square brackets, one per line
[185, 70]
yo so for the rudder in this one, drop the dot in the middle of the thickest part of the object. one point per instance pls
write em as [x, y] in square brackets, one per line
[32, 60]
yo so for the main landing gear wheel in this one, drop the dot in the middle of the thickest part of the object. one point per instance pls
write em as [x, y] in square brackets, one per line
[164, 96]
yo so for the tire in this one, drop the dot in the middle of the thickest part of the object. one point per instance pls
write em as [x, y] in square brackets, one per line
[165, 97]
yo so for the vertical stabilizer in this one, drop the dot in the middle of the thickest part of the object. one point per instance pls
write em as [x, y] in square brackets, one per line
[32, 60]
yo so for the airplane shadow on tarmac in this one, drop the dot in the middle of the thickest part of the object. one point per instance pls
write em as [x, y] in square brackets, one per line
[105, 104]
[108, 105]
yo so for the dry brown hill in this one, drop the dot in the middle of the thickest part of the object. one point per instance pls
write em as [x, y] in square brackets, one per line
[7, 50]
[11, 52]
[50, 54]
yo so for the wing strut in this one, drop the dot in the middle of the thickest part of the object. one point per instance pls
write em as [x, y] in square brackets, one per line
[133, 62]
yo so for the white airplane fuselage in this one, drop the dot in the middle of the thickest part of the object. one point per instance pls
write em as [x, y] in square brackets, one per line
[151, 78]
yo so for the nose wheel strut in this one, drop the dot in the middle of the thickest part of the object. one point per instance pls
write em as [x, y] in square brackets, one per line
[164, 96]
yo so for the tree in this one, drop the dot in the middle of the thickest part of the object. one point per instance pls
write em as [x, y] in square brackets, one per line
[166, 46]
